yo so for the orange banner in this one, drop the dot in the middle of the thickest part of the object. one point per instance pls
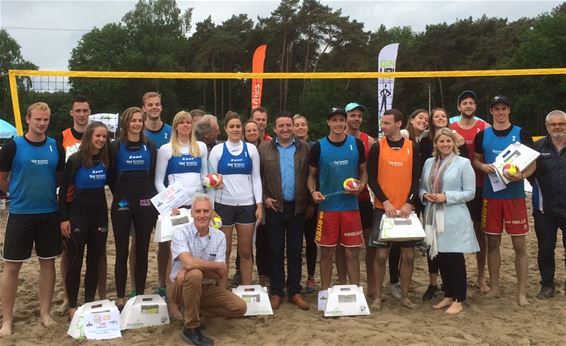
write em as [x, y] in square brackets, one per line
[257, 67]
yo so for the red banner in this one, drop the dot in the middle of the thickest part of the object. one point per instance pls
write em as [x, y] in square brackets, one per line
[257, 67]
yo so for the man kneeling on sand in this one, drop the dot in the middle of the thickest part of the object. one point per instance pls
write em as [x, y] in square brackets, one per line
[199, 272]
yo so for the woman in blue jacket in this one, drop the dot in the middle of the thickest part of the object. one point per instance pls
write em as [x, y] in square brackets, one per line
[447, 183]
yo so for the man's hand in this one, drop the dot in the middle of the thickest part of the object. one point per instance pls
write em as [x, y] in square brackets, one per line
[405, 210]
[513, 177]
[487, 168]
[271, 203]
[66, 229]
[181, 276]
[317, 197]
[390, 210]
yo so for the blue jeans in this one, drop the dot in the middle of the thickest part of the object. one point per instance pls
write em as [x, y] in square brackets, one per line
[285, 229]
[546, 228]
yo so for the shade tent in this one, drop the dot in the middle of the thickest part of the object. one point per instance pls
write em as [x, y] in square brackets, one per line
[7, 130]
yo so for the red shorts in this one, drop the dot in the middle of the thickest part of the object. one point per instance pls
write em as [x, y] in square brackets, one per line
[339, 227]
[511, 213]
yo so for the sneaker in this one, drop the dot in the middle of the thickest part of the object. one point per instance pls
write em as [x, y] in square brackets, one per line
[161, 291]
[195, 337]
[545, 292]
[311, 286]
[430, 292]
[395, 290]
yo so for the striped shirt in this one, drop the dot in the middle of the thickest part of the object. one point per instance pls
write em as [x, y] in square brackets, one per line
[211, 247]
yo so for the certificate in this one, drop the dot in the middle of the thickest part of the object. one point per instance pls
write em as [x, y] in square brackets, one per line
[174, 196]
[516, 154]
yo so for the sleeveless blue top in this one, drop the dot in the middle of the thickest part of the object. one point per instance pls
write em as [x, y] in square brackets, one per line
[90, 177]
[230, 164]
[186, 163]
[337, 164]
[492, 146]
[33, 183]
[129, 161]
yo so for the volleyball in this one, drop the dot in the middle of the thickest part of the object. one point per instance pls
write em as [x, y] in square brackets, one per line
[211, 180]
[351, 184]
[510, 168]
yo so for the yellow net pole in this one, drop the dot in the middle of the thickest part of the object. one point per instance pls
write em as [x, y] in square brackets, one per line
[15, 103]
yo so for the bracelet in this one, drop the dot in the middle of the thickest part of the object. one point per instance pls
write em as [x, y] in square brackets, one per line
[313, 191]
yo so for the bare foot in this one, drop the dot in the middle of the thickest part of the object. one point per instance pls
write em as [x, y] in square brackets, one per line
[444, 303]
[406, 302]
[494, 293]
[522, 298]
[62, 309]
[47, 320]
[174, 311]
[484, 287]
[6, 329]
[72, 313]
[455, 308]
[376, 305]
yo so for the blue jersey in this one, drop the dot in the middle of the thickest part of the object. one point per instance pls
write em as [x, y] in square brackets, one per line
[230, 164]
[337, 164]
[90, 177]
[185, 163]
[131, 161]
[492, 146]
[33, 177]
[159, 137]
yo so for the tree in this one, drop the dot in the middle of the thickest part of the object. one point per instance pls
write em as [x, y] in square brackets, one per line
[151, 37]
[11, 58]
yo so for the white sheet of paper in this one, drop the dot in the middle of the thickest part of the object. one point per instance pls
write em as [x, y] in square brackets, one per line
[102, 325]
[174, 196]
[496, 181]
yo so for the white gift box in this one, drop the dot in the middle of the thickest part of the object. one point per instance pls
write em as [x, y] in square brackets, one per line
[256, 298]
[345, 300]
[98, 320]
[400, 229]
[144, 311]
[166, 225]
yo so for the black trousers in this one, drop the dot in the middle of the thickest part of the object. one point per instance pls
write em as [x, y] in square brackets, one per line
[546, 228]
[93, 234]
[310, 245]
[143, 215]
[452, 267]
[285, 238]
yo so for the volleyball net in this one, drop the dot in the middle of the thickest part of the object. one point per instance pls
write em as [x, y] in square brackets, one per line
[57, 80]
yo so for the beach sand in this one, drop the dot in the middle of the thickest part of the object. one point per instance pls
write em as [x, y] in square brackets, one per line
[485, 321]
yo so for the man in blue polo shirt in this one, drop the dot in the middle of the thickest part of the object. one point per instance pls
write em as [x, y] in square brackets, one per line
[33, 162]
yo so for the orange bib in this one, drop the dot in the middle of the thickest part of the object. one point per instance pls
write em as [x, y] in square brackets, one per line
[395, 172]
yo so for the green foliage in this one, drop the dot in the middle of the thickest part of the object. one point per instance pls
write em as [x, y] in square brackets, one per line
[308, 36]
[11, 58]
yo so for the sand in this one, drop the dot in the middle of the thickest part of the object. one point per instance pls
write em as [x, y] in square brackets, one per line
[485, 321]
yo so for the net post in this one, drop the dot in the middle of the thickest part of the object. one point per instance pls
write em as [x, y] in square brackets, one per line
[15, 101]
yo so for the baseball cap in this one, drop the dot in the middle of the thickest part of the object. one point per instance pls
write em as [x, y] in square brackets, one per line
[466, 94]
[353, 105]
[336, 110]
[499, 99]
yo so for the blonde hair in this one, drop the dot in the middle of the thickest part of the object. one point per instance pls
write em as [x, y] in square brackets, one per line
[194, 149]
[299, 116]
[448, 133]
[150, 94]
[38, 105]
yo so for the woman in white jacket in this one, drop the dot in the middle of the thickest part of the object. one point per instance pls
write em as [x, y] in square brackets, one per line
[447, 183]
